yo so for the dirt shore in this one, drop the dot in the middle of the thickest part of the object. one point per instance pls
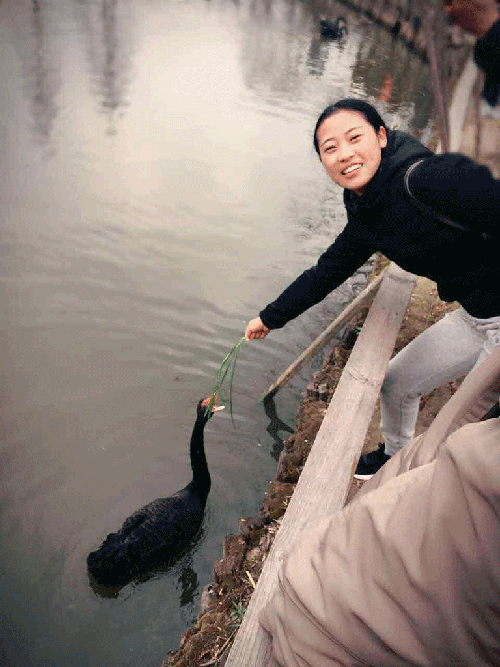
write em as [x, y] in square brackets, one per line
[208, 642]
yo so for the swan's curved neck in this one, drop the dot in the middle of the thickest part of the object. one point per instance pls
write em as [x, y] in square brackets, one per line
[201, 475]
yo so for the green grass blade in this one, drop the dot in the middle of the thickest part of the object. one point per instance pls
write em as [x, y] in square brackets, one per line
[233, 371]
[228, 362]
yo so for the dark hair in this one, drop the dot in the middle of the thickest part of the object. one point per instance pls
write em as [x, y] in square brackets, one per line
[371, 115]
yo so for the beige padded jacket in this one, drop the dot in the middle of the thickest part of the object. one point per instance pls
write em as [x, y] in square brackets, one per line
[409, 572]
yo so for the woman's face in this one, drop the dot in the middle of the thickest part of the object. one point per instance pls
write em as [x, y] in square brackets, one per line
[350, 149]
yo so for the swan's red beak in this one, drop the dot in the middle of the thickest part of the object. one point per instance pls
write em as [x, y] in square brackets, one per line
[215, 408]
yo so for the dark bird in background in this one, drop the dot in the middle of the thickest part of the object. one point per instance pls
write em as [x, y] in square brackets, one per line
[334, 29]
[162, 529]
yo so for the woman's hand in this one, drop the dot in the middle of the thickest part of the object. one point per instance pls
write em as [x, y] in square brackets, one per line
[256, 329]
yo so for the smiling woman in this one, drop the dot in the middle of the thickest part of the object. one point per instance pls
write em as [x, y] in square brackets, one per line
[350, 146]
[432, 215]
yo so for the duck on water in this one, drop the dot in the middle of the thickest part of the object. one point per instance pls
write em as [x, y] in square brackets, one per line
[334, 29]
[162, 529]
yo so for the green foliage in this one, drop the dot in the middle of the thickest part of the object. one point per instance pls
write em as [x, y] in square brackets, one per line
[229, 362]
[239, 609]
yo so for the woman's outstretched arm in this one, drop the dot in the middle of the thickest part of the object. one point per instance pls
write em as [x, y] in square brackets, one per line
[351, 249]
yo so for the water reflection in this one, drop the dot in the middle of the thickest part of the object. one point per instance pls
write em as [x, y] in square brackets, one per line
[272, 57]
[42, 74]
[274, 61]
[275, 427]
[182, 566]
[321, 44]
[395, 62]
[108, 28]
[317, 55]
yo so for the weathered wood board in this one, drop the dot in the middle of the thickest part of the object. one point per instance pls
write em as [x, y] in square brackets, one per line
[325, 479]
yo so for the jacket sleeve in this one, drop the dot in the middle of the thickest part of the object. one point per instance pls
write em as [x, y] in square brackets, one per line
[458, 188]
[487, 52]
[347, 253]
[407, 574]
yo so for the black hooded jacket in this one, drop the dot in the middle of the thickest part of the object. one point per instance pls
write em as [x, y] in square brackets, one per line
[464, 263]
[487, 57]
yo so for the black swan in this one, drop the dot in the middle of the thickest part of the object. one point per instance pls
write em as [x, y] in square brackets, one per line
[162, 529]
[335, 29]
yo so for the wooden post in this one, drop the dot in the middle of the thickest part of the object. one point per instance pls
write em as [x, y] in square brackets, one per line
[363, 299]
[325, 479]
[438, 85]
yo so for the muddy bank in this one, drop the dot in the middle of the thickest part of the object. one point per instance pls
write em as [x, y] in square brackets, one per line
[223, 602]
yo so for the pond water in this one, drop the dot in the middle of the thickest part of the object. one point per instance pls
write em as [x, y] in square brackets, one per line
[158, 188]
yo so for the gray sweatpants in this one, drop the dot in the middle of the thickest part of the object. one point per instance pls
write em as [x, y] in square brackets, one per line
[447, 350]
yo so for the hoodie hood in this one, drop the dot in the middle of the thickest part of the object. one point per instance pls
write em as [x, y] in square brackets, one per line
[402, 149]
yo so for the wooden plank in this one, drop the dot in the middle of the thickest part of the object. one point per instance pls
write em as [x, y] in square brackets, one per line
[325, 479]
[363, 299]
[462, 94]
[437, 83]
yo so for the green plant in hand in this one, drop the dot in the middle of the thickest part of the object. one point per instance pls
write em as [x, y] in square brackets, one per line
[229, 362]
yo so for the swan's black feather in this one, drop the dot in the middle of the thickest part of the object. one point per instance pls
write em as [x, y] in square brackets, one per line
[161, 529]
